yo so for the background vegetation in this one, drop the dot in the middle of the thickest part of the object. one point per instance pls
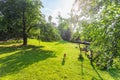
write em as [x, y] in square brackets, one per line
[27, 41]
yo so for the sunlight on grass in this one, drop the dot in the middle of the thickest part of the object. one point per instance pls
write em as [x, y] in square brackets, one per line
[44, 61]
[8, 54]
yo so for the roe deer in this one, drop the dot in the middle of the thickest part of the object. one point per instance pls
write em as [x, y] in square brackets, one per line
[64, 55]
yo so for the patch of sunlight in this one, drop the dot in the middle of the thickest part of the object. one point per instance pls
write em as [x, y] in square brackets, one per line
[8, 54]
[10, 45]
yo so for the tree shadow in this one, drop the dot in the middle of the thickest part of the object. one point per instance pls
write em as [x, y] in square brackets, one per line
[8, 49]
[115, 73]
[12, 48]
[82, 72]
[26, 56]
[96, 71]
[81, 59]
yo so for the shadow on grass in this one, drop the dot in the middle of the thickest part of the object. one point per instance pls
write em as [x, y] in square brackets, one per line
[26, 56]
[8, 49]
[82, 69]
[100, 78]
[81, 59]
[63, 61]
[115, 73]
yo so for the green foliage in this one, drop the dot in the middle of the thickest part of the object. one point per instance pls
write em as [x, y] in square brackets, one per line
[104, 36]
[20, 16]
[34, 33]
[101, 27]
[48, 32]
[76, 36]
[64, 29]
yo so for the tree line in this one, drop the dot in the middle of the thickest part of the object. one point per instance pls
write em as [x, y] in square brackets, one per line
[23, 19]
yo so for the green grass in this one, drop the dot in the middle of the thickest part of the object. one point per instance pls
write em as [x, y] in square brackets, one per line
[44, 61]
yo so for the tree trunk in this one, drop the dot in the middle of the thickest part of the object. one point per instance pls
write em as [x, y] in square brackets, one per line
[24, 29]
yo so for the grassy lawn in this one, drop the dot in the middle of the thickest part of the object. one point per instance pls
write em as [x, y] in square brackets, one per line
[44, 61]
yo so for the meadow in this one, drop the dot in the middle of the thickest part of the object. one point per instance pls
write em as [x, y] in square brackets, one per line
[45, 61]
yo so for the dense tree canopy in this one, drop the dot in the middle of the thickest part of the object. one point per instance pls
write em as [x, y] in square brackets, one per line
[102, 29]
[19, 16]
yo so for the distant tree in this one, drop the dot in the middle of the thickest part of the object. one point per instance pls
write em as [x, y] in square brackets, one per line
[76, 36]
[64, 29]
[48, 32]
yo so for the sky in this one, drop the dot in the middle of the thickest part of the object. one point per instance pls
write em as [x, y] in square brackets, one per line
[54, 7]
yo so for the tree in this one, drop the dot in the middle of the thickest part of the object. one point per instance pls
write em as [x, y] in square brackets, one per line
[64, 29]
[48, 32]
[21, 15]
[102, 30]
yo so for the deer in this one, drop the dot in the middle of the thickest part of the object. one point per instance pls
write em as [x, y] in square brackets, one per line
[64, 58]
[64, 55]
